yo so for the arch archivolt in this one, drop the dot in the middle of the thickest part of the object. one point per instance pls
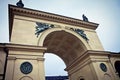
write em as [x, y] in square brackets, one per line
[47, 32]
[63, 42]
[81, 78]
[113, 60]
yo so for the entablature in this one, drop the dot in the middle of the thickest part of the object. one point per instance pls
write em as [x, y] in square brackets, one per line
[14, 10]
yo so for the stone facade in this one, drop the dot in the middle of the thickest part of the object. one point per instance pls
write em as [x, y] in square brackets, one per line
[32, 33]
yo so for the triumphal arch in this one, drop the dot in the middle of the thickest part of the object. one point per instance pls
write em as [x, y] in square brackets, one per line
[33, 33]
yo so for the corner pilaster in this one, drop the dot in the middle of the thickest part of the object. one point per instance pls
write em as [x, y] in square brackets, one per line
[25, 61]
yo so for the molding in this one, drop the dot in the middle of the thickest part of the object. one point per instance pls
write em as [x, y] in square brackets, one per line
[14, 10]
[2, 45]
[11, 58]
[26, 57]
[40, 59]
[12, 46]
[100, 60]
[79, 66]
[87, 54]
[114, 55]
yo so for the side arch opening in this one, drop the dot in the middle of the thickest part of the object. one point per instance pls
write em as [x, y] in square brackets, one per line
[117, 67]
[54, 66]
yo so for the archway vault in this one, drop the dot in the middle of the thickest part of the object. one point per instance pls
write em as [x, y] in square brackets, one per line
[64, 43]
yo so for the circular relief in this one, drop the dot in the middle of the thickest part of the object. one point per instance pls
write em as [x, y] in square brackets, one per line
[103, 67]
[26, 67]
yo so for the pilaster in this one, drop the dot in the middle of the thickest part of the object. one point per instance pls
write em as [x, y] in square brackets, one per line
[25, 62]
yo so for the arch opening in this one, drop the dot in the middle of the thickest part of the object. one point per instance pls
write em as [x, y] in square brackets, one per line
[54, 65]
[117, 67]
[65, 45]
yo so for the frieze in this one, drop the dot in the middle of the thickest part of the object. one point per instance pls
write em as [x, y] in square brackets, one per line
[13, 10]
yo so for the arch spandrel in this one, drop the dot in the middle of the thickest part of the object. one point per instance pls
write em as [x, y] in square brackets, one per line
[65, 43]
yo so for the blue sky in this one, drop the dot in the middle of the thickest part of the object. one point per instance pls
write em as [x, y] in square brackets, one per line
[104, 12]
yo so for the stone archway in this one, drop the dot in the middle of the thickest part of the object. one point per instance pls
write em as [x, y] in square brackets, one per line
[64, 43]
[117, 67]
[73, 40]
[67, 46]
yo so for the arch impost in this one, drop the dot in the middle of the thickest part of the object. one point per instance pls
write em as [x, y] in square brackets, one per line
[11, 58]
[88, 57]
[40, 59]
[78, 60]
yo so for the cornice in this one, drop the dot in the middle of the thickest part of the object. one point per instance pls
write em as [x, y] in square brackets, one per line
[14, 10]
[114, 54]
[12, 46]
